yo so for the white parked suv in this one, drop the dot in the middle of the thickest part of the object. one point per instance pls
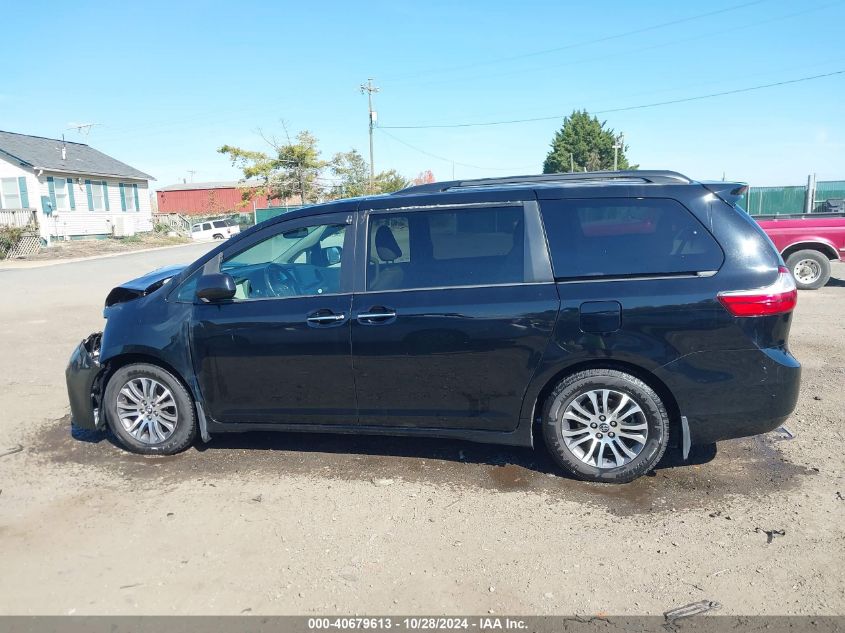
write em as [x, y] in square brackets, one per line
[214, 230]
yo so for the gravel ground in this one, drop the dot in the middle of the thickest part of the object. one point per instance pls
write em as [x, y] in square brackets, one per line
[290, 523]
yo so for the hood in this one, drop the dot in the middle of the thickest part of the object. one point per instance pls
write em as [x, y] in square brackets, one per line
[143, 285]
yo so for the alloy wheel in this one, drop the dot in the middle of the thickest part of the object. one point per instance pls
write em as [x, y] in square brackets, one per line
[604, 428]
[147, 410]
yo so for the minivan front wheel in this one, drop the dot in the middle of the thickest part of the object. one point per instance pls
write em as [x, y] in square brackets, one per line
[149, 410]
[605, 425]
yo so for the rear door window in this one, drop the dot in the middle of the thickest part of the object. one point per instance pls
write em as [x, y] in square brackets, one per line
[619, 237]
[443, 248]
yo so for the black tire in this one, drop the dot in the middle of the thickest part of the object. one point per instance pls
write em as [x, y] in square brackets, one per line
[185, 429]
[794, 261]
[652, 409]
[218, 236]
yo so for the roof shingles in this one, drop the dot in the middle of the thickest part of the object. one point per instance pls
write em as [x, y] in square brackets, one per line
[46, 153]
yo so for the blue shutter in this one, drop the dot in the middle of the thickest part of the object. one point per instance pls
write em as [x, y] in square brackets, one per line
[52, 189]
[137, 201]
[106, 194]
[70, 194]
[122, 198]
[90, 196]
[24, 193]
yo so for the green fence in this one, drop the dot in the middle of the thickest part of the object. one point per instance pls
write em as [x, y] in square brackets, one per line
[830, 190]
[789, 200]
[774, 200]
[271, 212]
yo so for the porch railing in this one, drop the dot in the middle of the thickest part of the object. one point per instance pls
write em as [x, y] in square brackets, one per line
[176, 221]
[18, 217]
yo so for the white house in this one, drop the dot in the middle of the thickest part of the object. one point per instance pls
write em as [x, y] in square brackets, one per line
[75, 190]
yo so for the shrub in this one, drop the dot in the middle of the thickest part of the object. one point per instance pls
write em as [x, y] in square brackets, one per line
[9, 238]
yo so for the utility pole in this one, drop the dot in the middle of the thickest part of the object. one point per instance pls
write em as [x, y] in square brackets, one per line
[619, 144]
[369, 88]
[192, 172]
[571, 162]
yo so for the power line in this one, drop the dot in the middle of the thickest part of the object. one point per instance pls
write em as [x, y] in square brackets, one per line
[622, 109]
[444, 158]
[597, 40]
[721, 32]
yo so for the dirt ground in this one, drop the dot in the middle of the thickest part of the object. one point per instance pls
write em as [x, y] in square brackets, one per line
[303, 524]
[86, 248]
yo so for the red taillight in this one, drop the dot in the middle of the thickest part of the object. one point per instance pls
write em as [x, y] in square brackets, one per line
[779, 298]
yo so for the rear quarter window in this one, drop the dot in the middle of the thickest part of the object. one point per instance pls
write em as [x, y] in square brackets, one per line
[619, 237]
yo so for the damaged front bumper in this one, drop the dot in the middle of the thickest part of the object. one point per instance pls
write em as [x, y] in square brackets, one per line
[83, 384]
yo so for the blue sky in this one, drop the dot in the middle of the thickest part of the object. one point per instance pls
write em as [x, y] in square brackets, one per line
[169, 82]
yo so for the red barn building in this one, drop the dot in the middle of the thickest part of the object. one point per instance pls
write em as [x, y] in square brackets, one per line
[210, 198]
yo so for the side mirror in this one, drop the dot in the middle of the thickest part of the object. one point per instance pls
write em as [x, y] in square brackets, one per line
[333, 255]
[216, 287]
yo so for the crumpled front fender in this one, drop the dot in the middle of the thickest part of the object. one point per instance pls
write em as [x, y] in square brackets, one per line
[81, 375]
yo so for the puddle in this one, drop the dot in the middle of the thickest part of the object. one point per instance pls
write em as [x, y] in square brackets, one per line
[751, 467]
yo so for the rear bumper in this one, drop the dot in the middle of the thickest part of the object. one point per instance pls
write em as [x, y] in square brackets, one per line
[735, 393]
[81, 376]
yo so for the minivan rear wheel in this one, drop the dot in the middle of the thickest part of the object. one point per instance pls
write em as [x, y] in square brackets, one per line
[149, 410]
[605, 425]
[809, 268]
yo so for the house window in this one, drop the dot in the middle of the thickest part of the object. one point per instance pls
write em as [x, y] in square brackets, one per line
[97, 199]
[129, 195]
[62, 200]
[10, 195]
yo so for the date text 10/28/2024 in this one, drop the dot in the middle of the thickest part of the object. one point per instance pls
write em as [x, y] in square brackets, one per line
[420, 623]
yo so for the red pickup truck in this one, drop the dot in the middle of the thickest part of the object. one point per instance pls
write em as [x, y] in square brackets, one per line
[808, 243]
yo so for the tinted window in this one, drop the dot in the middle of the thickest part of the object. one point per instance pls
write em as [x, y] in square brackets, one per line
[206, 226]
[294, 263]
[429, 249]
[220, 224]
[618, 237]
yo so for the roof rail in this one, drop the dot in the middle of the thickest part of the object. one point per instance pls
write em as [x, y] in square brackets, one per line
[654, 176]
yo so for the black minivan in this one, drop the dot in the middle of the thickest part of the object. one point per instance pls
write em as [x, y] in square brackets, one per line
[623, 312]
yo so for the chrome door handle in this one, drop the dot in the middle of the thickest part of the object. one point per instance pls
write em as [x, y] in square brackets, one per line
[377, 315]
[326, 318]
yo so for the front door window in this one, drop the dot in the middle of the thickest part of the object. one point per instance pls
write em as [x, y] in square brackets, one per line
[299, 262]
